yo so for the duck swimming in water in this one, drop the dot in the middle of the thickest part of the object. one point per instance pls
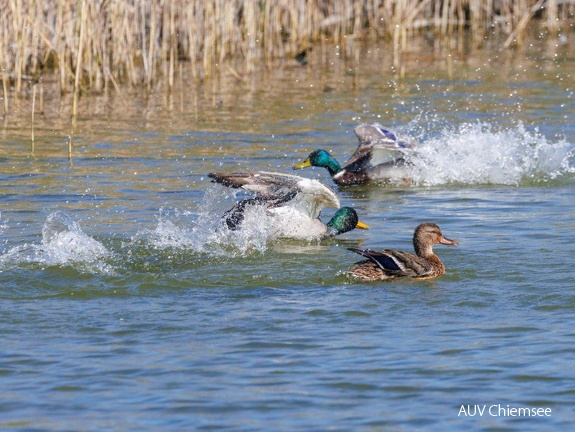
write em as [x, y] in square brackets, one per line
[390, 264]
[293, 204]
[380, 156]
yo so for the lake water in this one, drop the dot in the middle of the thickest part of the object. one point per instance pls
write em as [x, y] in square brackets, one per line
[124, 308]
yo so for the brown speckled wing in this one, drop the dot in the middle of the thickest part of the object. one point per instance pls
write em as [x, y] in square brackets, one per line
[397, 263]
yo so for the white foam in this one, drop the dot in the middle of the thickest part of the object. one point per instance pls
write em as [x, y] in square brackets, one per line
[207, 231]
[65, 241]
[63, 244]
[479, 153]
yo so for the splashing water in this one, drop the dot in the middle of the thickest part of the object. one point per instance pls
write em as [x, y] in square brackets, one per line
[207, 232]
[63, 244]
[478, 154]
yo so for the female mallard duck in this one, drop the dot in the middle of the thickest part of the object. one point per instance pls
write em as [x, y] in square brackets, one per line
[379, 156]
[293, 203]
[390, 264]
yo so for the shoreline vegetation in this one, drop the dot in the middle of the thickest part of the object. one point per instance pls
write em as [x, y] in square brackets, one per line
[91, 46]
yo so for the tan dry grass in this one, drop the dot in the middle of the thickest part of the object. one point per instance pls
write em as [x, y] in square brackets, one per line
[92, 43]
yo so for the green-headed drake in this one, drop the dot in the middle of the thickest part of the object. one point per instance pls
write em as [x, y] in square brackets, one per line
[380, 156]
[293, 203]
[390, 264]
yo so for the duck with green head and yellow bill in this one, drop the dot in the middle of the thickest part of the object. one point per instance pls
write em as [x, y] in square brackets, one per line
[293, 204]
[380, 156]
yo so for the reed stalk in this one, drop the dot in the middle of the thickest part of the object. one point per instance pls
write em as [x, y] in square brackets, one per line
[171, 45]
[553, 17]
[33, 111]
[516, 34]
[5, 92]
[41, 99]
[80, 52]
[70, 143]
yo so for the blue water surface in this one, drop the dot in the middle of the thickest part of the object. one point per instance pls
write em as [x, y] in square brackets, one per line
[124, 308]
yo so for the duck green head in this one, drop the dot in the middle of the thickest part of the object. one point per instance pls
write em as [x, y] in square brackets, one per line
[322, 159]
[344, 220]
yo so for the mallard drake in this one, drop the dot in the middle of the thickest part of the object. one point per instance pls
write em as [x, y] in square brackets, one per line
[379, 156]
[294, 203]
[390, 264]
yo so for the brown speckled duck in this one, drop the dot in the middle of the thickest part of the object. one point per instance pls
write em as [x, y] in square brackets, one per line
[390, 264]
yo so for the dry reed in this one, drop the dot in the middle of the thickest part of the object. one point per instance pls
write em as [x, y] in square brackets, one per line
[33, 112]
[91, 43]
